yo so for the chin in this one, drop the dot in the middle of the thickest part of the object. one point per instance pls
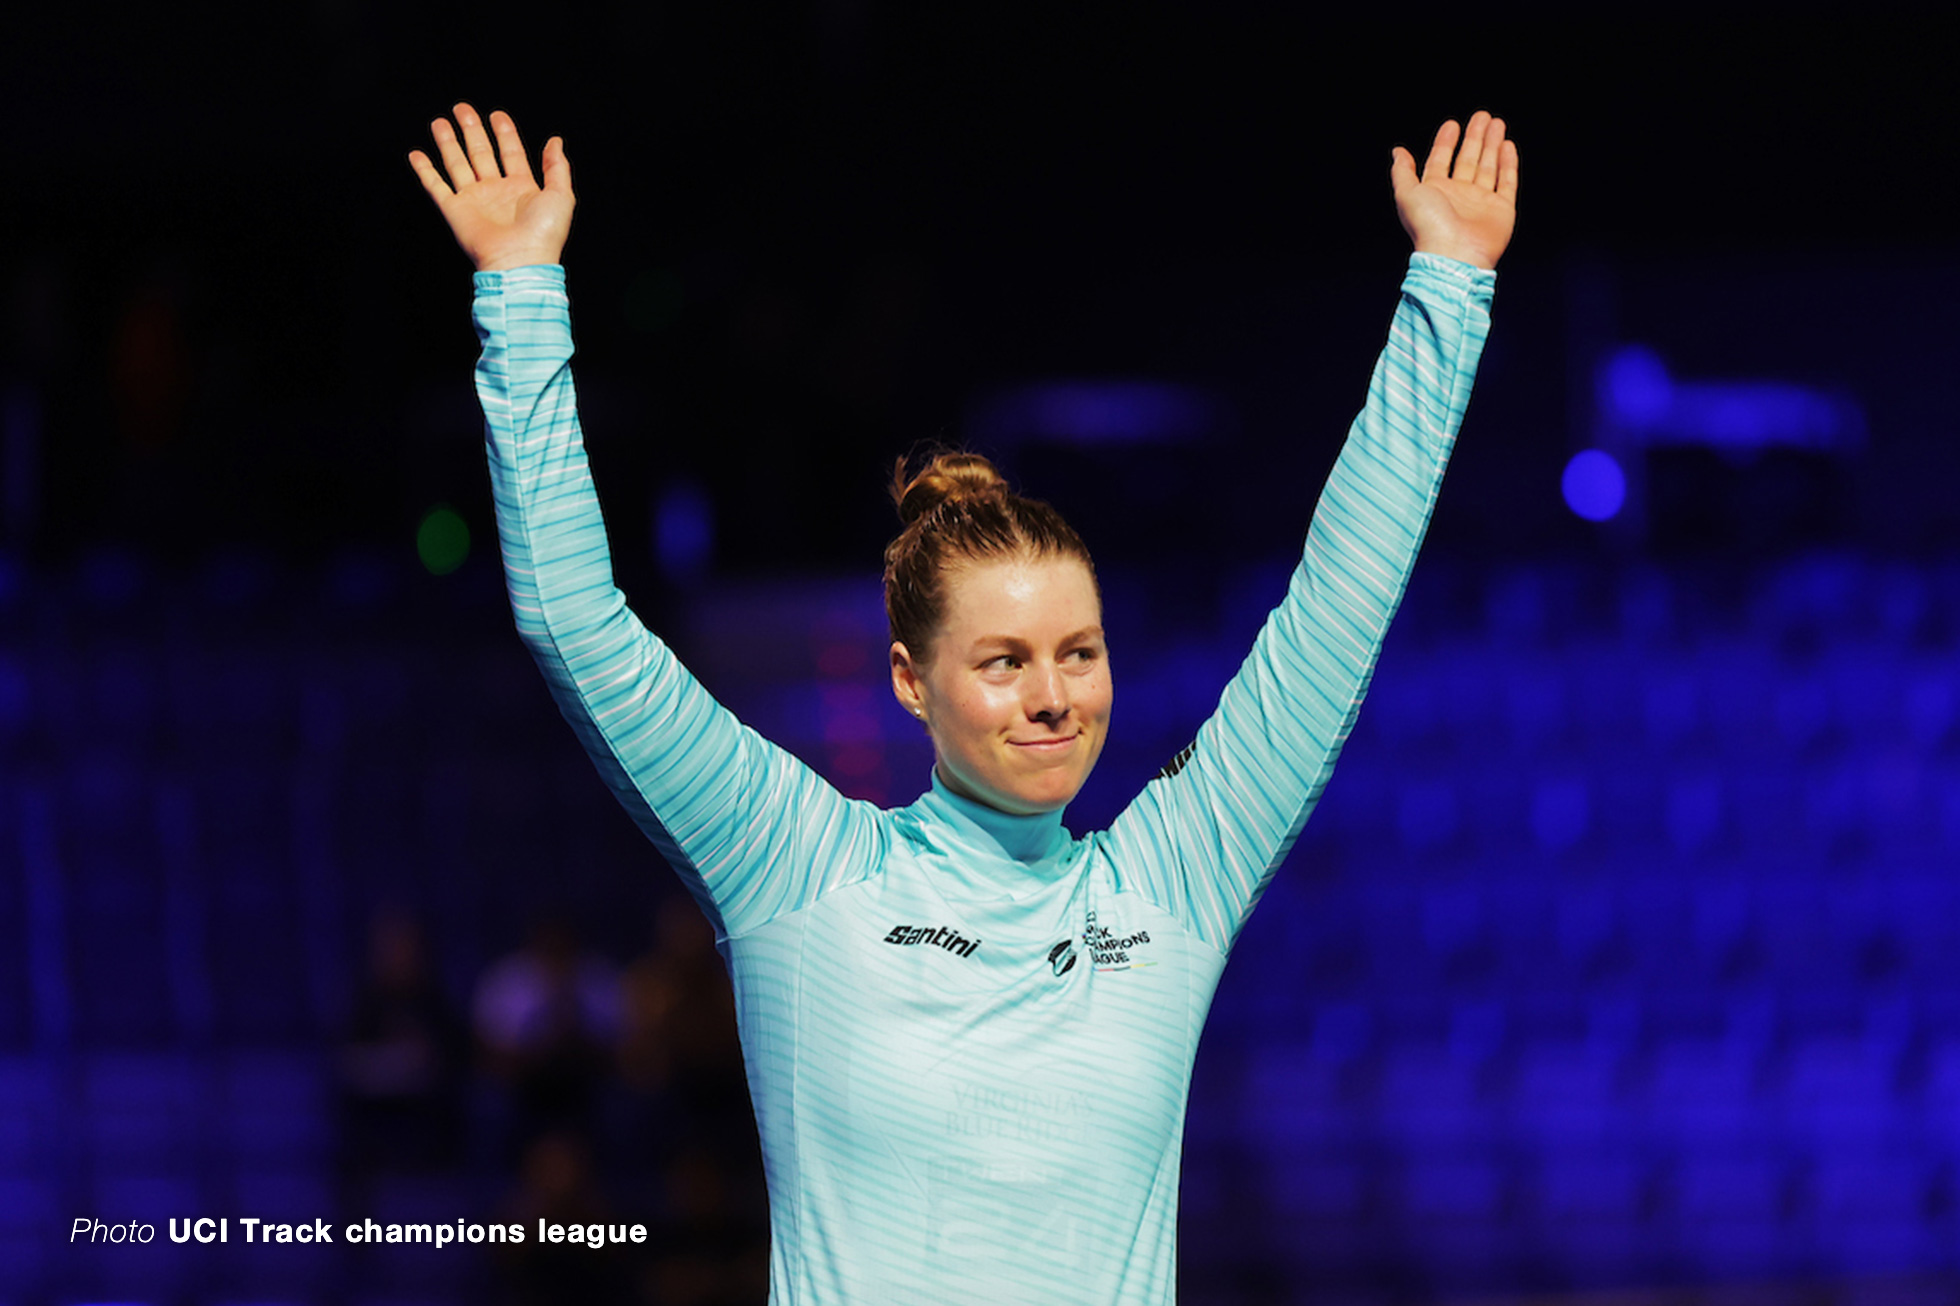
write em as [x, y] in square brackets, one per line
[1051, 795]
[1015, 790]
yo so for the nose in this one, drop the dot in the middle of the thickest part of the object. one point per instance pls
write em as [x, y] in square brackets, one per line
[1047, 694]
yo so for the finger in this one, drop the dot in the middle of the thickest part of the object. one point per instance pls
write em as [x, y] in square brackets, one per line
[1472, 151]
[557, 168]
[482, 157]
[1401, 169]
[454, 161]
[510, 146]
[1493, 153]
[432, 181]
[1437, 165]
[1507, 173]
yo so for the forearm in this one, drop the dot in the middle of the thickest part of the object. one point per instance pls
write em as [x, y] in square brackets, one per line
[725, 807]
[1232, 810]
[557, 561]
[1375, 509]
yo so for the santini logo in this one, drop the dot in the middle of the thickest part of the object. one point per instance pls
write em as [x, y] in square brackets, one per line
[911, 936]
[1061, 957]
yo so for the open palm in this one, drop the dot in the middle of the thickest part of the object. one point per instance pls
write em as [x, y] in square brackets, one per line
[1464, 210]
[498, 213]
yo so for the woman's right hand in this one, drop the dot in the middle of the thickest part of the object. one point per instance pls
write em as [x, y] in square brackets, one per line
[499, 215]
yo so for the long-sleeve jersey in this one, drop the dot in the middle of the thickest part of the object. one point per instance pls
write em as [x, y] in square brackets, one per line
[969, 1035]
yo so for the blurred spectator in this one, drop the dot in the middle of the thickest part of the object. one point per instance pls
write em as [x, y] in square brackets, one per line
[401, 1064]
[681, 1066]
[547, 1018]
[678, 1041]
[556, 1184]
[711, 1247]
[150, 365]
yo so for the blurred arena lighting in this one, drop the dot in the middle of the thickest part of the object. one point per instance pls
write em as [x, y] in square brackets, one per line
[1091, 412]
[683, 531]
[1640, 402]
[1595, 488]
[442, 541]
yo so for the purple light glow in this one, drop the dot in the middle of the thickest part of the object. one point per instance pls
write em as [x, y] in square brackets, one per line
[1595, 488]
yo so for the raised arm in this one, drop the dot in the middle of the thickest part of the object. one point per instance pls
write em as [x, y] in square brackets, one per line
[752, 831]
[1205, 836]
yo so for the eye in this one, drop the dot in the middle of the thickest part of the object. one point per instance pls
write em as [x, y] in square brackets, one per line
[1005, 662]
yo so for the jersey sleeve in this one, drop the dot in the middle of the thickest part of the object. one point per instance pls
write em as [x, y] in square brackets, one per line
[1204, 837]
[752, 831]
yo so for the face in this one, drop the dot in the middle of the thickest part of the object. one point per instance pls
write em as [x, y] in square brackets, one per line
[1016, 689]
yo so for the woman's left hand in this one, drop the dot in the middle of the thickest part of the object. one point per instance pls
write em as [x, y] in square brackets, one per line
[1465, 211]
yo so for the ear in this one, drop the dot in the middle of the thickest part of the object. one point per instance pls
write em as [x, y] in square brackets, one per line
[907, 685]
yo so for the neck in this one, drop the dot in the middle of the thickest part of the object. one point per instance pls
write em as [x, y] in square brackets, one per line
[1025, 838]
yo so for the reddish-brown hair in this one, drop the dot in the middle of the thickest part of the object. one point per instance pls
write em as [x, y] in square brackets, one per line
[958, 509]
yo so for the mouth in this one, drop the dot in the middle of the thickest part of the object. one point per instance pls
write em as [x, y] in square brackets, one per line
[1041, 746]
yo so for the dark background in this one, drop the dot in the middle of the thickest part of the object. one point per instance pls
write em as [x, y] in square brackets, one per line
[1621, 956]
[809, 235]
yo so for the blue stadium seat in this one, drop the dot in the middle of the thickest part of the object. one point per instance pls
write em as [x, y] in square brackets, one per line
[31, 1206]
[1870, 1213]
[1673, 711]
[121, 695]
[1429, 1098]
[273, 1110]
[1928, 696]
[1702, 1094]
[1568, 1097]
[31, 1117]
[1455, 1209]
[1841, 1093]
[1695, 810]
[1732, 1212]
[1326, 1204]
[1587, 1211]
[142, 1112]
[1535, 696]
[1294, 1097]
[1561, 811]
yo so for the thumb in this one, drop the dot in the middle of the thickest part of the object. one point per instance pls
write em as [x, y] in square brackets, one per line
[1401, 170]
[557, 168]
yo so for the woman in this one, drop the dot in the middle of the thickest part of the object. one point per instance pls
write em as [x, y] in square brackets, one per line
[968, 1034]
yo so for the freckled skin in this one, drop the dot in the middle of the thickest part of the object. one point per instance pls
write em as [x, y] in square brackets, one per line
[1015, 691]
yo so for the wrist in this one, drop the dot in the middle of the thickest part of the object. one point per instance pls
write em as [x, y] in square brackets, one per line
[527, 257]
[530, 276]
[1462, 253]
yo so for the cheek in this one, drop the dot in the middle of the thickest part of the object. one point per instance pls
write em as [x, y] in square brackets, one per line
[1096, 694]
[973, 709]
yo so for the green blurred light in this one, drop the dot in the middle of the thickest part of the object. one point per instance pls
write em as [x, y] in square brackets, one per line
[442, 540]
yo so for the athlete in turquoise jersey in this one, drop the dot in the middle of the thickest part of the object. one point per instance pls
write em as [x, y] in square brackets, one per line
[969, 1035]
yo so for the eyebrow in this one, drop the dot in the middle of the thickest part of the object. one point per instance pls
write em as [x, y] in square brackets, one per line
[1014, 642]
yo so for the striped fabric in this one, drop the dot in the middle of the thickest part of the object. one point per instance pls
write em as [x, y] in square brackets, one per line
[969, 1035]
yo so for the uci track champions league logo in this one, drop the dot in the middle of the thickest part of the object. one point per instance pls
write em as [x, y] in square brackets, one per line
[1111, 951]
[1107, 950]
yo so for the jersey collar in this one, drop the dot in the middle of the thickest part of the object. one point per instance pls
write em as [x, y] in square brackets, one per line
[1024, 839]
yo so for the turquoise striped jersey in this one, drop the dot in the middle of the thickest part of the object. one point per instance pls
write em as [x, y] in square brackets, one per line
[969, 1036]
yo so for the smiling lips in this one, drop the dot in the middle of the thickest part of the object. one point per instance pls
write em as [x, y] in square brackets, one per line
[1045, 744]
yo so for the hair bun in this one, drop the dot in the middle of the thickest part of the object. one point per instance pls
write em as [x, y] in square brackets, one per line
[949, 477]
[958, 511]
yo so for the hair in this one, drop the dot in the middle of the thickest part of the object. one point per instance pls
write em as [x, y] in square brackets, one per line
[957, 509]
